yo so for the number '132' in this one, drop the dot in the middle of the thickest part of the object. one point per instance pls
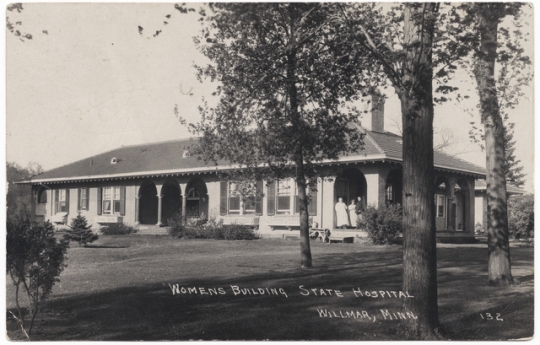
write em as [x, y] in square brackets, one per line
[488, 316]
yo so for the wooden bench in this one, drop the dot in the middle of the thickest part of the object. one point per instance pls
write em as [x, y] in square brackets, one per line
[342, 239]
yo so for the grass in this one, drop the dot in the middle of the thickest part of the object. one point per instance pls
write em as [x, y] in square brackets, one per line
[118, 289]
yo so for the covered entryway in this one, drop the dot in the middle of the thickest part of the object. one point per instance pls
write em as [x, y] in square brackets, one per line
[394, 188]
[462, 197]
[148, 203]
[171, 200]
[443, 205]
[349, 186]
[196, 199]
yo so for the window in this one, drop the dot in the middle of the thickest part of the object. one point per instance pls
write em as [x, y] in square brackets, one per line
[111, 200]
[284, 196]
[193, 203]
[62, 204]
[242, 197]
[390, 193]
[83, 199]
[42, 196]
[234, 198]
[439, 204]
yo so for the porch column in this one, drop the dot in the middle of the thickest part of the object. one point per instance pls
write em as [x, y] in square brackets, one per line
[373, 189]
[137, 200]
[34, 202]
[184, 201]
[159, 206]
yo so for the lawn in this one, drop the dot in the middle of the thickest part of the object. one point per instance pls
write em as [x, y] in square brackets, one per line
[119, 288]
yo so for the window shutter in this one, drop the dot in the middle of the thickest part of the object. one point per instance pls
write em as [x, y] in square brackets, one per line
[99, 201]
[296, 204]
[56, 197]
[123, 200]
[312, 207]
[87, 199]
[78, 199]
[259, 197]
[271, 197]
[223, 198]
[67, 200]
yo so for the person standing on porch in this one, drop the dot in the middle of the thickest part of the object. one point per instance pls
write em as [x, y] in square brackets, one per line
[352, 212]
[359, 210]
[341, 214]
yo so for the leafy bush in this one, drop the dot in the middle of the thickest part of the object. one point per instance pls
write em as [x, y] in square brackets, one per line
[210, 228]
[238, 232]
[79, 231]
[118, 229]
[383, 224]
[34, 261]
[176, 225]
[521, 216]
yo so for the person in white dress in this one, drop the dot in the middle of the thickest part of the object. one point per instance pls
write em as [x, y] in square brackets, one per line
[342, 214]
[352, 212]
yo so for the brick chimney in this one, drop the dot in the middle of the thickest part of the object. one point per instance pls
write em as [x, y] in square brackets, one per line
[373, 118]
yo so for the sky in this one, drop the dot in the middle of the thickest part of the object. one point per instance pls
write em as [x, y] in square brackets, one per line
[91, 83]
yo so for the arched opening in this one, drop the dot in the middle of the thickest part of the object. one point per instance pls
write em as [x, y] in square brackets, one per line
[41, 205]
[461, 205]
[42, 196]
[148, 203]
[394, 188]
[171, 200]
[443, 204]
[196, 199]
[349, 185]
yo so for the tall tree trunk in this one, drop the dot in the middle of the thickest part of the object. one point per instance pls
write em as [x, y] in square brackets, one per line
[419, 246]
[499, 271]
[305, 248]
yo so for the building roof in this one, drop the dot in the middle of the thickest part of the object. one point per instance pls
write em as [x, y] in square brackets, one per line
[481, 185]
[168, 158]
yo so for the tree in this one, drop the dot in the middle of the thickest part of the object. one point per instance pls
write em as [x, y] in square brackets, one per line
[19, 197]
[286, 75]
[34, 260]
[486, 18]
[80, 231]
[403, 42]
[521, 216]
[512, 167]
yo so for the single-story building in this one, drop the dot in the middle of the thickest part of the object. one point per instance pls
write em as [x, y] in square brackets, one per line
[480, 203]
[144, 185]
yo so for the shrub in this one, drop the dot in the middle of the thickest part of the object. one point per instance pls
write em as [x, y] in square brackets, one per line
[34, 261]
[208, 228]
[79, 231]
[383, 224]
[176, 225]
[118, 229]
[521, 216]
[238, 232]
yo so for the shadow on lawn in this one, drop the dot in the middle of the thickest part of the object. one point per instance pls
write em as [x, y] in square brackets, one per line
[106, 247]
[152, 312]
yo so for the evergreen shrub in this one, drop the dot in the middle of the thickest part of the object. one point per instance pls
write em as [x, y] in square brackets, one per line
[79, 231]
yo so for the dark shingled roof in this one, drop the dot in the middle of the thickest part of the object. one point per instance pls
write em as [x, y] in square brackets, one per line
[510, 189]
[167, 157]
[391, 144]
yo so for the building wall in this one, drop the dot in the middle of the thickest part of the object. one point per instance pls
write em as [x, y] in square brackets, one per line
[375, 175]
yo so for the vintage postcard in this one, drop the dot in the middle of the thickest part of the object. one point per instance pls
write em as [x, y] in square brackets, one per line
[270, 171]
